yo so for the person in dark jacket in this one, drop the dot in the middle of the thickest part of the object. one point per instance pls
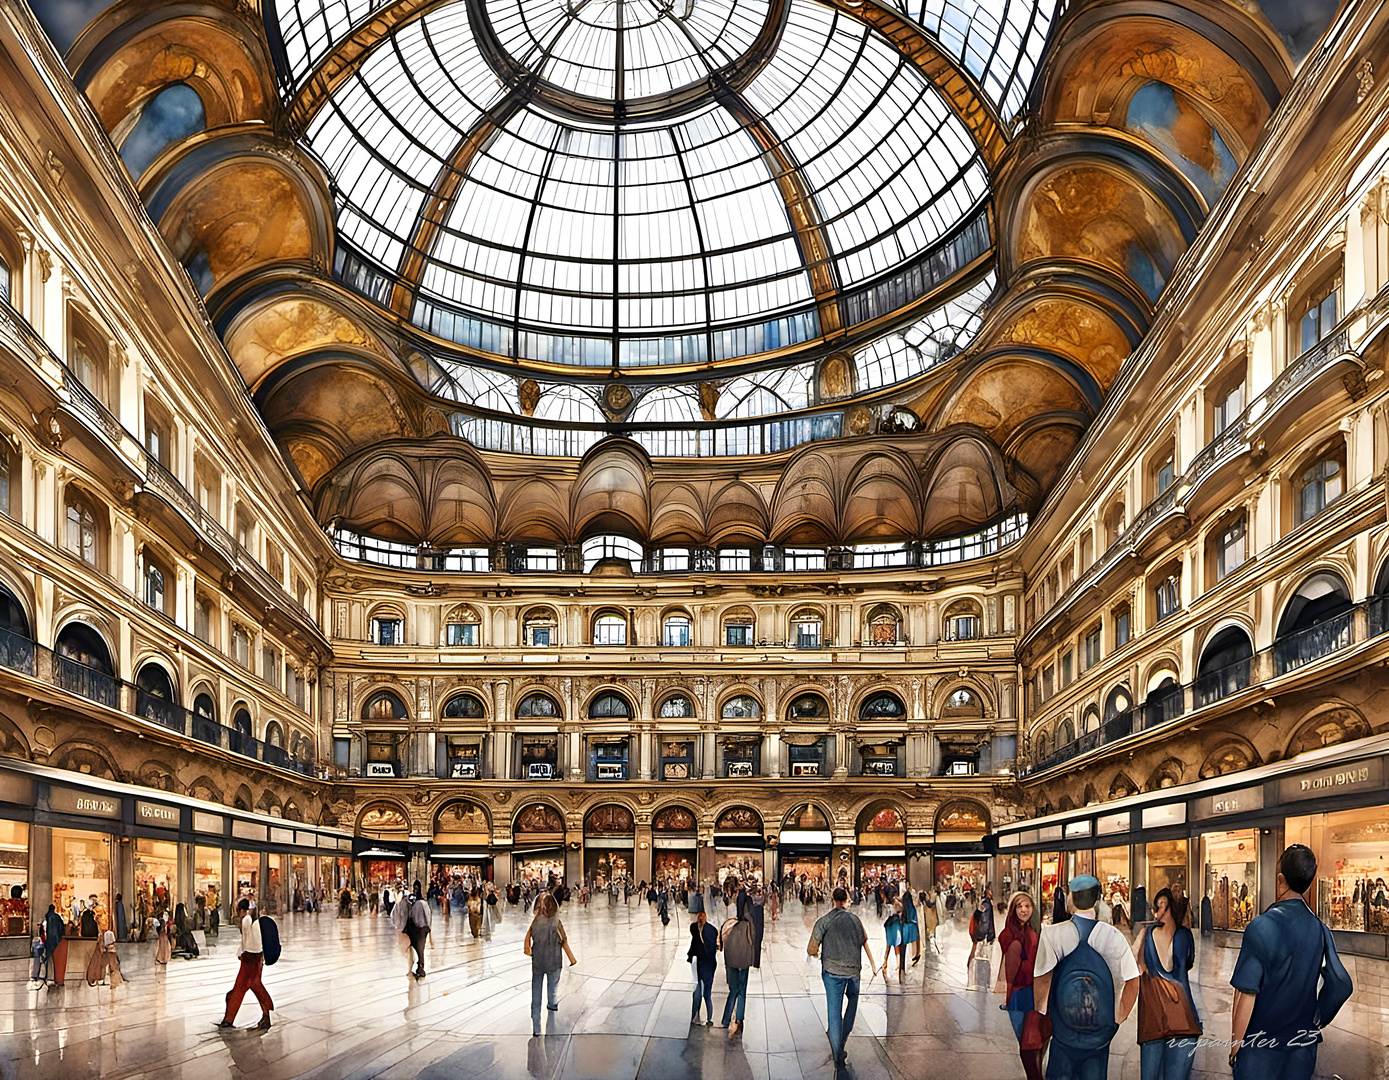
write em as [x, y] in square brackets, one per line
[704, 951]
[55, 945]
[1059, 914]
[122, 926]
[663, 904]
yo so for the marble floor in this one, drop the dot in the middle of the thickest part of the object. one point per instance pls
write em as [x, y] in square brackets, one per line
[345, 1008]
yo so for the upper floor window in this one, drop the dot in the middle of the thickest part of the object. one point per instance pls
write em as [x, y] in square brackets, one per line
[806, 631]
[609, 705]
[1048, 681]
[1067, 668]
[5, 296]
[540, 630]
[735, 559]
[884, 625]
[157, 436]
[154, 585]
[541, 559]
[82, 535]
[673, 560]
[962, 627]
[1123, 626]
[741, 707]
[461, 633]
[202, 619]
[270, 666]
[1230, 548]
[1167, 596]
[611, 549]
[676, 631]
[245, 531]
[1321, 483]
[610, 630]
[804, 559]
[676, 706]
[7, 471]
[1163, 474]
[738, 634]
[1319, 312]
[1090, 653]
[241, 646]
[537, 705]
[464, 707]
[386, 630]
[1227, 407]
[207, 488]
[89, 361]
[384, 705]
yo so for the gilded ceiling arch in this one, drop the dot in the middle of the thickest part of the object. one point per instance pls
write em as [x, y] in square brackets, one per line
[133, 50]
[804, 506]
[612, 491]
[277, 328]
[965, 486]
[881, 498]
[535, 509]
[678, 514]
[738, 512]
[1073, 325]
[1001, 391]
[1042, 445]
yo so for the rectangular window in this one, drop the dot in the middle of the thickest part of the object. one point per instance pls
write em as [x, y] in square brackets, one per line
[735, 559]
[1168, 596]
[245, 531]
[342, 751]
[610, 630]
[202, 621]
[675, 560]
[808, 634]
[540, 637]
[1320, 317]
[738, 634]
[539, 560]
[677, 633]
[1229, 556]
[804, 559]
[1067, 668]
[386, 631]
[1048, 681]
[1092, 648]
[157, 443]
[462, 634]
[1228, 409]
[1122, 628]
[270, 667]
[963, 628]
[1321, 484]
[208, 486]
[1164, 475]
[241, 647]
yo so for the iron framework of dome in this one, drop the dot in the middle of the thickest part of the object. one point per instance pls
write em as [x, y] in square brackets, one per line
[660, 189]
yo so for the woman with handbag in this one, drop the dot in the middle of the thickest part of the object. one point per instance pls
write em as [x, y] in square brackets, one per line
[1022, 932]
[1168, 1024]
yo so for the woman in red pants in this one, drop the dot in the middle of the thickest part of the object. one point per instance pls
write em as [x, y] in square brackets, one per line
[248, 975]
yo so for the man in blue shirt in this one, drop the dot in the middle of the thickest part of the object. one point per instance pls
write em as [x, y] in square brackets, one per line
[1278, 1015]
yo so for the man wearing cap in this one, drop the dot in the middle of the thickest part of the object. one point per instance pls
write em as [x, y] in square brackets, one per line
[1060, 940]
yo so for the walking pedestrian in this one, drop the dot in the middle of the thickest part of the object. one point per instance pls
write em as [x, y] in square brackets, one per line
[55, 945]
[911, 930]
[1059, 914]
[930, 911]
[163, 950]
[839, 939]
[892, 930]
[663, 904]
[1022, 931]
[738, 942]
[411, 918]
[1096, 984]
[545, 941]
[474, 912]
[491, 912]
[695, 900]
[1167, 1020]
[248, 975]
[104, 959]
[1284, 954]
[122, 926]
[704, 952]
[759, 925]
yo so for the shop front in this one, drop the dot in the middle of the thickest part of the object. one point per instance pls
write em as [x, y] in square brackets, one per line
[82, 876]
[382, 868]
[14, 879]
[1352, 848]
[964, 875]
[538, 854]
[207, 884]
[805, 846]
[882, 847]
[1229, 879]
[738, 845]
[609, 847]
[156, 881]
[461, 848]
[675, 851]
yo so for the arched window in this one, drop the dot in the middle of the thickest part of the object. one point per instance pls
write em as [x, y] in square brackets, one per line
[611, 551]
[172, 114]
[274, 735]
[677, 705]
[1117, 703]
[9, 504]
[964, 703]
[884, 625]
[739, 628]
[12, 618]
[153, 680]
[610, 629]
[609, 705]
[1043, 746]
[81, 644]
[537, 705]
[741, 707]
[384, 705]
[963, 621]
[1317, 621]
[462, 627]
[540, 628]
[805, 629]
[807, 706]
[387, 627]
[675, 633]
[1225, 665]
[881, 706]
[241, 722]
[82, 536]
[1164, 702]
[1066, 733]
[464, 707]
[204, 706]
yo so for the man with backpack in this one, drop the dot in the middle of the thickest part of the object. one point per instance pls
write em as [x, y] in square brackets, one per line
[252, 955]
[1086, 981]
[1279, 1012]
[411, 918]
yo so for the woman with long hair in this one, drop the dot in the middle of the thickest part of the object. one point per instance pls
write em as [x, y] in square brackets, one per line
[1022, 932]
[544, 944]
[474, 911]
[1166, 952]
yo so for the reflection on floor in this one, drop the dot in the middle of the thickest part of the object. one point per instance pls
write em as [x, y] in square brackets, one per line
[346, 1008]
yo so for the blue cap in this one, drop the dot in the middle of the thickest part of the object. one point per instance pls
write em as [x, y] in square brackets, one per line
[1081, 882]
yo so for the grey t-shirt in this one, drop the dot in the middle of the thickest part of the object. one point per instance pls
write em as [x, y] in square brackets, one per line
[841, 937]
[547, 948]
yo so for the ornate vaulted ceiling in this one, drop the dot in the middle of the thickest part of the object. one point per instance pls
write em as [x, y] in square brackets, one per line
[799, 270]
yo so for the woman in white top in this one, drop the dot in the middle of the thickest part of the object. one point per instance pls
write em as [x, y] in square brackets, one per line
[248, 974]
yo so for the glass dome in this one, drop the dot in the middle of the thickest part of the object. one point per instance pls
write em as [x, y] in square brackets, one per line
[590, 185]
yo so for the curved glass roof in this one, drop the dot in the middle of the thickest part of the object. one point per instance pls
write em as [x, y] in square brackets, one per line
[600, 184]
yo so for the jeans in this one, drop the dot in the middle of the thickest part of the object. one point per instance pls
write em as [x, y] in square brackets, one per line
[538, 978]
[841, 1020]
[704, 990]
[1067, 1063]
[1275, 1063]
[1166, 1059]
[737, 993]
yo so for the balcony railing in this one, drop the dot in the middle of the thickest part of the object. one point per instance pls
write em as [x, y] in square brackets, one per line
[1168, 704]
[21, 654]
[1304, 367]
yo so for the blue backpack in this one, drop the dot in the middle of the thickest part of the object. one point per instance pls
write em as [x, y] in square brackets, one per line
[1081, 1003]
[269, 940]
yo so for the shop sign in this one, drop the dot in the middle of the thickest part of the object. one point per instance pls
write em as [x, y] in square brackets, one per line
[1112, 823]
[281, 836]
[1333, 780]
[1077, 828]
[1049, 833]
[16, 789]
[1009, 840]
[305, 839]
[149, 813]
[69, 801]
[1232, 802]
[1154, 817]
[208, 823]
[1029, 836]
[247, 830]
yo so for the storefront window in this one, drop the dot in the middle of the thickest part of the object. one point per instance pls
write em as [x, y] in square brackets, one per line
[299, 883]
[541, 869]
[207, 883]
[344, 878]
[274, 900]
[601, 868]
[1352, 850]
[156, 879]
[1051, 874]
[14, 878]
[963, 874]
[674, 865]
[1166, 866]
[872, 869]
[1112, 868]
[82, 876]
[246, 867]
[1231, 877]
[746, 865]
[382, 872]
